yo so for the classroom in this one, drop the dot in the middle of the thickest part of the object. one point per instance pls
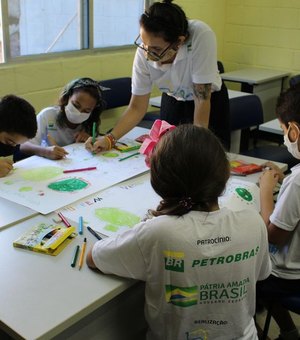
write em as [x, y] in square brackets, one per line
[105, 192]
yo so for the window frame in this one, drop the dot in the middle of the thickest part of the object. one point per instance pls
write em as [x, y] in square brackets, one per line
[86, 45]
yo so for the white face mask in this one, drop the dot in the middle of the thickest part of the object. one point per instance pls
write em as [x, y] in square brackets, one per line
[74, 115]
[292, 146]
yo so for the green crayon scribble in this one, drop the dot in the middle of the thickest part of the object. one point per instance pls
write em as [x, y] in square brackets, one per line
[41, 174]
[116, 217]
[244, 193]
[110, 154]
[110, 227]
[70, 185]
[23, 189]
[9, 182]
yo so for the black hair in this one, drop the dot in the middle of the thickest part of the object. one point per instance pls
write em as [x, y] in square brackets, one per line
[165, 20]
[288, 105]
[189, 170]
[17, 116]
[89, 86]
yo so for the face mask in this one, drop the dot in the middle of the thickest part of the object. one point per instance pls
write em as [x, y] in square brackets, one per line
[166, 56]
[75, 116]
[292, 146]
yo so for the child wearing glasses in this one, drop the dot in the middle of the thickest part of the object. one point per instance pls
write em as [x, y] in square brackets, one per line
[179, 56]
[283, 220]
[79, 106]
[200, 263]
[17, 125]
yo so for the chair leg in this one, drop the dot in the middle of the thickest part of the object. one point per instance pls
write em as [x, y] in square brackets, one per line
[267, 324]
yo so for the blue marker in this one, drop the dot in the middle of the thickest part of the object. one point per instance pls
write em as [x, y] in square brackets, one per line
[80, 226]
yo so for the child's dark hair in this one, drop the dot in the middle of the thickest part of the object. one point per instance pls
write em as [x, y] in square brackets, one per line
[89, 86]
[288, 105]
[165, 20]
[17, 115]
[189, 170]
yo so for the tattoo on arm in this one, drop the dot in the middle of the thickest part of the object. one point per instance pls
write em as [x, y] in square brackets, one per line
[202, 91]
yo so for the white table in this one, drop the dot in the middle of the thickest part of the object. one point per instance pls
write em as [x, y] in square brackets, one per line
[272, 126]
[43, 297]
[266, 83]
[11, 213]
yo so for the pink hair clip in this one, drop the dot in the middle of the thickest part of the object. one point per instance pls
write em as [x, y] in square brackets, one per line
[159, 128]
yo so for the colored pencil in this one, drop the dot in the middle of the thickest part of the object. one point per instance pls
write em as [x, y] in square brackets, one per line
[93, 232]
[134, 154]
[80, 225]
[82, 253]
[82, 169]
[94, 133]
[74, 259]
[65, 221]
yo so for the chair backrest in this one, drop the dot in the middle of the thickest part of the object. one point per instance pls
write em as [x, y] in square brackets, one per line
[116, 92]
[220, 66]
[245, 111]
[294, 80]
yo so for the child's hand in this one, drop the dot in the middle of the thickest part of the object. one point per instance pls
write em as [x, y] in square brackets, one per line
[270, 165]
[268, 180]
[101, 144]
[81, 136]
[6, 165]
[56, 152]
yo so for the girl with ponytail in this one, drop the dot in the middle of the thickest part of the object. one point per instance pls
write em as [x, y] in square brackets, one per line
[200, 263]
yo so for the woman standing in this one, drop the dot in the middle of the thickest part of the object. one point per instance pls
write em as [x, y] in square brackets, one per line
[180, 57]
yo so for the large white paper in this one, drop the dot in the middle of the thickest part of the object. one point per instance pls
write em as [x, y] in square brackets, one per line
[122, 206]
[40, 184]
[116, 209]
[240, 195]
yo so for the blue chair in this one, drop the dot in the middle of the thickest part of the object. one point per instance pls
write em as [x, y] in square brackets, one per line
[246, 112]
[116, 92]
[291, 303]
[294, 80]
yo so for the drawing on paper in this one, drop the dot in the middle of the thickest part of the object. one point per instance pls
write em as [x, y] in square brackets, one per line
[240, 195]
[116, 218]
[40, 183]
[41, 174]
[69, 185]
[110, 154]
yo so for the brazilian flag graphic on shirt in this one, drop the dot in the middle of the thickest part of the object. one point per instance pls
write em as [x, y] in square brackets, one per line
[181, 296]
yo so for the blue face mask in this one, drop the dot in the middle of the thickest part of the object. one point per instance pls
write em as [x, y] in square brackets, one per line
[292, 146]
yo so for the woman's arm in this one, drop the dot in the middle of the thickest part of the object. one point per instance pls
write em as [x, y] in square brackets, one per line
[131, 117]
[202, 95]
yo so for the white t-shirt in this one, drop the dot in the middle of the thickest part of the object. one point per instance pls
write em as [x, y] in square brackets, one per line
[286, 215]
[200, 271]
[46, 121]
[195, 62]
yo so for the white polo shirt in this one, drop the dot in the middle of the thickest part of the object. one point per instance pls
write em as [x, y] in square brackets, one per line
[46, 121]
[195, 62]
[286, 216]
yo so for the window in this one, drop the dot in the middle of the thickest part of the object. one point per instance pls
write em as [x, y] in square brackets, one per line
[30, 27]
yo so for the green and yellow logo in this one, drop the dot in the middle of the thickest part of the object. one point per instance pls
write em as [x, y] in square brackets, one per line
[181, 296]
[174, 261]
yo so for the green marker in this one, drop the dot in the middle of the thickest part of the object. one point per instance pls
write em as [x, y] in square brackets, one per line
[74, 259]
[94, 133]
[132, 155]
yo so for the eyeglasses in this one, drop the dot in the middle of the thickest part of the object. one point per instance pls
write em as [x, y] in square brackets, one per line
[154, 56]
